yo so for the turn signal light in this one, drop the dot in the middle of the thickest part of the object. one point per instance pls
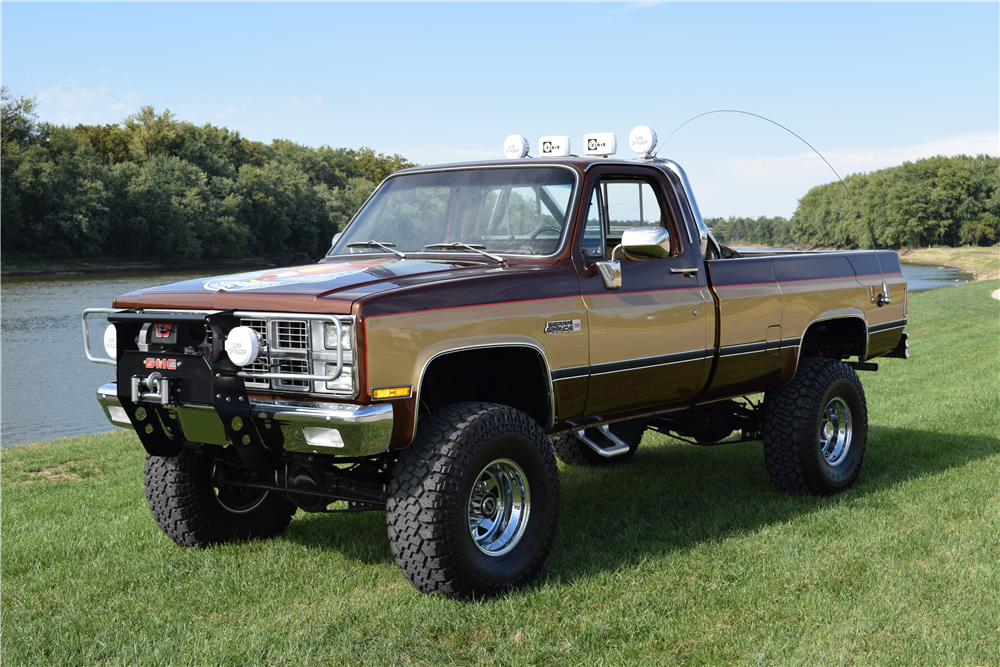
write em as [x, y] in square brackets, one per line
[392, 392]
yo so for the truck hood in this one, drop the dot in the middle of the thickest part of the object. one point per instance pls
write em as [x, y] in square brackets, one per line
[330, 286]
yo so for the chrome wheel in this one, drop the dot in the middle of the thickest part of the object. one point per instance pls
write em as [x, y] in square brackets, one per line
[498, 507]
[835, 431]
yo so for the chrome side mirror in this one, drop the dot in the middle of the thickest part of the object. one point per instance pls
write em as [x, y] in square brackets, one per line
[646, 243]
[611, 271]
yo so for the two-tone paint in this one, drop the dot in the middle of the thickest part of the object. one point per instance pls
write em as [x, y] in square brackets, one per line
[668, 339]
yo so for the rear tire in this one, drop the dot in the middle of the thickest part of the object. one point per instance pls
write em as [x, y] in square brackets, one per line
[193, 510]
[473, 502]
[815, 429]
[573, 451]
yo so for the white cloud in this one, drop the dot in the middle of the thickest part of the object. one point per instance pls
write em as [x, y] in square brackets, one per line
[72, 95]
[293, 102]
[860, 160]
[69, 103]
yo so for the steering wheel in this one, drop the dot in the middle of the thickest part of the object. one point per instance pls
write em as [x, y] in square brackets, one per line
[556, 230]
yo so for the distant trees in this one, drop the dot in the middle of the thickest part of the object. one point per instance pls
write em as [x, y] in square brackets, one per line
[935, 201]
[155, 186]
[775, 232]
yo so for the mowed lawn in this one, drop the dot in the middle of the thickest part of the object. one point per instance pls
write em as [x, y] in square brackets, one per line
[685, 555]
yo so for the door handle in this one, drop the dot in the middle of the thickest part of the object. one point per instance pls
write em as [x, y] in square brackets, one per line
[686, 272]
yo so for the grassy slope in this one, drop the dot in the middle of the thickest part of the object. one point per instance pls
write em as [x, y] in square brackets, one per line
[685, 556]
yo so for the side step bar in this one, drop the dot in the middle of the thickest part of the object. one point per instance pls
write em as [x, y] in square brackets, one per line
[603, 441]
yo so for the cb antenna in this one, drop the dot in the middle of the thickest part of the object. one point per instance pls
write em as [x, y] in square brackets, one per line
[883, 298]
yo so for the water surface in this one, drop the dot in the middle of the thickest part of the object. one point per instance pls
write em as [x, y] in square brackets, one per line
[922, 277]
[48, 388]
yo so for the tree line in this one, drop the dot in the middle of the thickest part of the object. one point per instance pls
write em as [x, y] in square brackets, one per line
[935, 201]
[153, 186]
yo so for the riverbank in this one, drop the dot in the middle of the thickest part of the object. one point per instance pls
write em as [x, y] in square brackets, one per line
[22, 267]
[983, 263]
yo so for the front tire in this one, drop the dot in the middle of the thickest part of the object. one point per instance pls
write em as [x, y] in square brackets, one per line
[815, 429]
[194, 510]
[473, 502]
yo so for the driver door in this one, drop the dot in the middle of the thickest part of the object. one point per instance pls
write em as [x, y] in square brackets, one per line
[650, 340]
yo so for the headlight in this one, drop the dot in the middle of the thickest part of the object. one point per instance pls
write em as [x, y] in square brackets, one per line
[344, 382]
[330, 337]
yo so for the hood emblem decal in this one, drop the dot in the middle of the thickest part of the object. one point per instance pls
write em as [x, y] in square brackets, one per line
[262, 279]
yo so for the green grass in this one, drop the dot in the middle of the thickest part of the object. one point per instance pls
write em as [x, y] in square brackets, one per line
[686, 555]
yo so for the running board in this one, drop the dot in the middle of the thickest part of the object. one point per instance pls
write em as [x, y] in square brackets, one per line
[615, 445]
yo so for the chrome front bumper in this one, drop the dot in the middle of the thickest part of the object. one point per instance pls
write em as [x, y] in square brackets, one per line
[323, 428]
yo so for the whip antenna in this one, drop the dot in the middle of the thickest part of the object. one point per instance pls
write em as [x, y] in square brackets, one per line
[884, 297]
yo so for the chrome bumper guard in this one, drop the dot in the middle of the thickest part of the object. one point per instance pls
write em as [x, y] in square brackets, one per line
[339, 429]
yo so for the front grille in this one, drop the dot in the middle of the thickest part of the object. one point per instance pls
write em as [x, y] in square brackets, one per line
[293, 347]
[293, 366]
[291, 335]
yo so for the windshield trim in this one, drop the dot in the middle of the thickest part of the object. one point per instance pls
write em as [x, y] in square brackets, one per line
[570, 210]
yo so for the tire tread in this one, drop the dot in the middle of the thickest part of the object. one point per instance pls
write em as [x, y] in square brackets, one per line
[423, 497]
[176, 497]
[789, 428]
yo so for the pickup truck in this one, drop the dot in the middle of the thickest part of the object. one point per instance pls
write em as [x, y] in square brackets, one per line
[471, 324]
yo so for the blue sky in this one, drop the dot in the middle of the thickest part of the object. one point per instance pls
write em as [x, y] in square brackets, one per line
[868, 84]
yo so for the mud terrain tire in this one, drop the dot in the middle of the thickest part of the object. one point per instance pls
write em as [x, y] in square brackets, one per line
[473, 502]
[815, 429]
[193, 511]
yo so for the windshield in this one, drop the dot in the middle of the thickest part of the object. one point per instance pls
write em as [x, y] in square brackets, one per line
[510, 211]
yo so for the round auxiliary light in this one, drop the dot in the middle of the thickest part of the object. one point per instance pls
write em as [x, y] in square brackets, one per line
[111, 341]
[642, 139]
[243, 346]
[515, 146]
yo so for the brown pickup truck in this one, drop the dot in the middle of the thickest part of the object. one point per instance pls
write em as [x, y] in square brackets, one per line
[472, 323]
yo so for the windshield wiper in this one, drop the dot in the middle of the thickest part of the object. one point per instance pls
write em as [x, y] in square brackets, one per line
[388, 247]
[474, 247]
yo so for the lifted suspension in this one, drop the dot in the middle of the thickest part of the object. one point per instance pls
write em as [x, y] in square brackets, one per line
[363, 485]
[711, 424]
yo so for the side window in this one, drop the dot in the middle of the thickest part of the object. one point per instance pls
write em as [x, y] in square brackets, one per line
[593, 233]
[631, 203]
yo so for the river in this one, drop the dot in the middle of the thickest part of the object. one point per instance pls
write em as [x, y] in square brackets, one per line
[47, 386]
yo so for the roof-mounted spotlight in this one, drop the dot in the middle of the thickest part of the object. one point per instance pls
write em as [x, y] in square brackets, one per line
[642, 139]
[515, 147]
[555, 146]
[601, 144]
